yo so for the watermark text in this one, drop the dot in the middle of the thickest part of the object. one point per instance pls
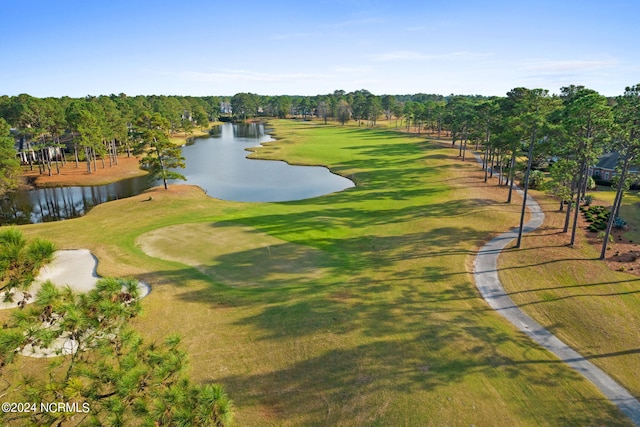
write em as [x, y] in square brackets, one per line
[46, 407]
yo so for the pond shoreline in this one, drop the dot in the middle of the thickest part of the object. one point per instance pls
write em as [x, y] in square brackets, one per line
[72, 176]
[215, 164]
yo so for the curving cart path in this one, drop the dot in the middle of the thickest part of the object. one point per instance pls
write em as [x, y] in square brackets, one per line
[485, 272]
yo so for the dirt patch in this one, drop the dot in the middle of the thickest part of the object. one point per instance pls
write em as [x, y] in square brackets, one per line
[622, 254]
[71, 175]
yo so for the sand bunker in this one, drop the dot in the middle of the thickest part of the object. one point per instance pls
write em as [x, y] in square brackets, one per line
[75, 268]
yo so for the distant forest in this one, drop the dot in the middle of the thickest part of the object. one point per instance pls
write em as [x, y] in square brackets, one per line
[529, 134]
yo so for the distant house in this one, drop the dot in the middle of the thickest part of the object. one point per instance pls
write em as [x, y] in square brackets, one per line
[27, 155]
[605, 169]
[225, 108]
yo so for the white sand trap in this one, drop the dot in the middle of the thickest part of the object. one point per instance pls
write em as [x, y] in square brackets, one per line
[62, 346]
[75, 268]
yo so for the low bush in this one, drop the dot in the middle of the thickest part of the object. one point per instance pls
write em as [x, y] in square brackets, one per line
[597, 216]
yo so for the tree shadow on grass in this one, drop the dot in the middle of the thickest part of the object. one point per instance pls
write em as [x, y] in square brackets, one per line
[362, 383]
[353, 273]
[421, 339]
[389, 328]
[354, 215]
[607, 292]
[549, 288]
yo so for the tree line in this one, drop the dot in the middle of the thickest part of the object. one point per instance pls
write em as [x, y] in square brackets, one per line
[91, 130]
[559, 137]
[341, 106]
[563, 133]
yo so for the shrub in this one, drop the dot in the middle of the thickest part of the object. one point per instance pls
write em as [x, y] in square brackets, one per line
[536, 179]
[597, 216]
[601, 235]
[619, 222]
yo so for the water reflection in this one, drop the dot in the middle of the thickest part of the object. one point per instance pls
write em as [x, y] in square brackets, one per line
[218, 164]
[55, 204]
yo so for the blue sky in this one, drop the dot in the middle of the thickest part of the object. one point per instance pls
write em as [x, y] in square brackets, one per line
[197, 47]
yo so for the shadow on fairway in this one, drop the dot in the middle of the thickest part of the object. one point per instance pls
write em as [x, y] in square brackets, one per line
[345, 384]
[394, 310]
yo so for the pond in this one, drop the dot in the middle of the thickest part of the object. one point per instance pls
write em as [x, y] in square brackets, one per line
[218, 164]
[59, 203]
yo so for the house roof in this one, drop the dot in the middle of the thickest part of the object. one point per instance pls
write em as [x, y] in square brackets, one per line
[609, 161]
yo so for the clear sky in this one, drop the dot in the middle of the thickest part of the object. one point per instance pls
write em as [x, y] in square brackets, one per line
[276, 47]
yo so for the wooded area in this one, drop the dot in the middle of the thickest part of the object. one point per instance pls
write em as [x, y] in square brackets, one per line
[525, 137]
[563, 135]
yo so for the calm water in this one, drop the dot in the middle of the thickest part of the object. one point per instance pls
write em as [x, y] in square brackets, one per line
[55, 204]
[217, 164]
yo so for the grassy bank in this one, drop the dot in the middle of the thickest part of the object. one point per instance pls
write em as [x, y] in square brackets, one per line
[594, 309]
[355, 308]
[181, 138]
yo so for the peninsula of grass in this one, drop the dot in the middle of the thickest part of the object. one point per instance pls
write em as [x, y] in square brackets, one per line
[179, 138]
[356, 308]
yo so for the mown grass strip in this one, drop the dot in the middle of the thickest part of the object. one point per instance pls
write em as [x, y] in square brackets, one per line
[390, 332]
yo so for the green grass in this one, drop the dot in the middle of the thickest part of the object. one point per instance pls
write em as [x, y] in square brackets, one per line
[568, 290]
[629, 211]
[257, 259]
[365, 313]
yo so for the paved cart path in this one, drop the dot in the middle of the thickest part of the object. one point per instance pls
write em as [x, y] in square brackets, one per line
[485, 271]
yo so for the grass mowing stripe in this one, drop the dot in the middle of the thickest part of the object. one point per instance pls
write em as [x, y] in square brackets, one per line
[393, 333]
